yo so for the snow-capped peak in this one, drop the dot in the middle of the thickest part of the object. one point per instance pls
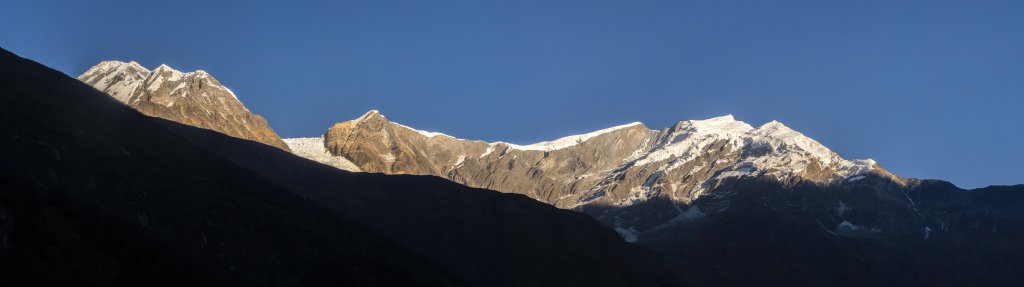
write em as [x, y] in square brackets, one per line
[367, 115]
[687, 139]
[723, 125]
[112, 66]
[775, 129]
[376, 113]
[116, 78]
[165, 74]
[165, 67]
[781, 137]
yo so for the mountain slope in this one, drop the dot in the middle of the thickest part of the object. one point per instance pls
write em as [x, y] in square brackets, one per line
[195, 98]
[95, 193]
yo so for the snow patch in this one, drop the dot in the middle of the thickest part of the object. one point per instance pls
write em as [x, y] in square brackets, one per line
[424, 133]
[489, 150]
[688, 139]
[628, 234]
[568, 141]
[312, 148]
[848, 226]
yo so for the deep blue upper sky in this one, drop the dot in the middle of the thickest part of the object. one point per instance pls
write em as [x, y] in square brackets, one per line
[931, 89]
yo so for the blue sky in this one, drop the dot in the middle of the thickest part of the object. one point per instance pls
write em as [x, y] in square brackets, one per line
[931, 89]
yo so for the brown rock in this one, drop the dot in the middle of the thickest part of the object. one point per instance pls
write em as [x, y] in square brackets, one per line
[194, 98]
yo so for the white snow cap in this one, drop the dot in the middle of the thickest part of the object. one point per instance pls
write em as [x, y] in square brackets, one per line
[114, 64]
[788, 152]
[116, 78]
[723, 125]
[568, 141]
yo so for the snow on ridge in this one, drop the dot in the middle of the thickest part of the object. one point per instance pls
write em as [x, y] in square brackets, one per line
[109, 68]
[116, 78]
[723, 125]
[175, 76]
[428, 134]
[776, 149]
[424, 133]
[776, 135]
[568, 141]
[688, 138]
[110, 65]
[558, 144]
[365, 116]
[783, 152]
[229, 92]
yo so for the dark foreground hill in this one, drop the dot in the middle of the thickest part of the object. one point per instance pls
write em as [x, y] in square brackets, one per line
[93, 193]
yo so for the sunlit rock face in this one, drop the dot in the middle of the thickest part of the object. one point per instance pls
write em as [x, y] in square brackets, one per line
[193, 98]
[617, 166]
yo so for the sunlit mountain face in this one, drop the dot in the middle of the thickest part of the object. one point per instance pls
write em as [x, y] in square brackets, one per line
[511, 143]
[716, 202]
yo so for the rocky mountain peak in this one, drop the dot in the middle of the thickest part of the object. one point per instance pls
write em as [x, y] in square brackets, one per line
[116, 78]
[371, 116]
[165, 67]
[723, 125]
[193, 98]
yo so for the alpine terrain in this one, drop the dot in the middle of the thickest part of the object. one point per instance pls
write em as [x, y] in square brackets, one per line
[615, 167]
[94, 193]
[194, 98]
[729, 203]
[724, 202]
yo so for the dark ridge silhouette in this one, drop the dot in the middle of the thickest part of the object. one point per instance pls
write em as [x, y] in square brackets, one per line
[768, 234]
[93, 193]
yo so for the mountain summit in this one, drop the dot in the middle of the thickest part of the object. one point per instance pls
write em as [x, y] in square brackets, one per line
[193, 98]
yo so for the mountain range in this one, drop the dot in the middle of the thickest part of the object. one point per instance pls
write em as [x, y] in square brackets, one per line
[96, 193]
[733, 204]
[207, 188]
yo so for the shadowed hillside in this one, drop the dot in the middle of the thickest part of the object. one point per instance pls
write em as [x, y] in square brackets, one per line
[94, 193]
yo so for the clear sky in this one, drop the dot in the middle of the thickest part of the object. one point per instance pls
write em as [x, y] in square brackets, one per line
[931, 89]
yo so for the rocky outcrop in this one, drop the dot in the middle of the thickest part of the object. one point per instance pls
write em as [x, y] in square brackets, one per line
[195, 98]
